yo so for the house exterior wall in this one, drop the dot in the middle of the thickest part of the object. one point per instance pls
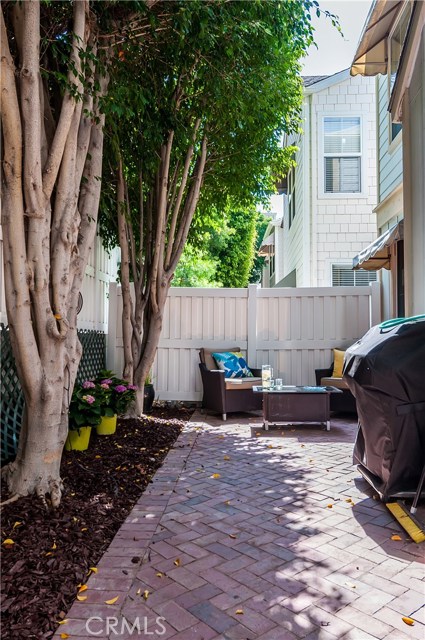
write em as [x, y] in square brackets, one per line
[329, 228]
[342, 223]
[414, 187]
[390, 190]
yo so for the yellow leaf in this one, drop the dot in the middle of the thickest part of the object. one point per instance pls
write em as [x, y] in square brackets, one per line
[270, 446]
[138, 592]
[93, 569]
[58, 316]
[62, 621]
[227, 502]
[258, 433]
[145, 594]
[226, 457]
[83, 587]
[215, 475]
[408, 621]
[84, 529]
[8, 541]
[330, 506]
[17, 524]
[97, 457]
[348, 500]
[64, 635]
[239, 612]
[112, 600]
[395, 537]
[159, 574]
[232, 535]
[81, 598]
[54, 546]
[177, 562]
[49, 553]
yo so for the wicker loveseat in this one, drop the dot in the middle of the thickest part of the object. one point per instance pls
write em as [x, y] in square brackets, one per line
[343, 402]
[225, 396]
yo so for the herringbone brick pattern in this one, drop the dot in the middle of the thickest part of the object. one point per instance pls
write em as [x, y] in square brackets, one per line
[251, 535]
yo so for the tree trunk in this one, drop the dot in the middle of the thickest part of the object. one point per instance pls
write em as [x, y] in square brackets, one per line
[36, 468]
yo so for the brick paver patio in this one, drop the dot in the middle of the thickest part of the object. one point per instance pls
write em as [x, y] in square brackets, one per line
[244, 534]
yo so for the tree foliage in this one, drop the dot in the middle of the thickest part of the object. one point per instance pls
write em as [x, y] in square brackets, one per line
[204, 106]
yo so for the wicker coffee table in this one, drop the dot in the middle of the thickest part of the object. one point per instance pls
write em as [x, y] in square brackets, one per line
[291, 404]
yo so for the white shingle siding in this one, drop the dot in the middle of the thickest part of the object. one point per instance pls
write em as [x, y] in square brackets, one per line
[331, 228]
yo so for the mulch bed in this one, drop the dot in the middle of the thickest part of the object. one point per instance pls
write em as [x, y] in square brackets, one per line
[53, 551]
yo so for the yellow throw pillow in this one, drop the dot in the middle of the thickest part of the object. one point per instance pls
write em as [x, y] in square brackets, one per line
[338, 363]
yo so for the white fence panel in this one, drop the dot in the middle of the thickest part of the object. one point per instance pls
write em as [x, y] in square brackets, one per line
[100, 271]
[294, 330]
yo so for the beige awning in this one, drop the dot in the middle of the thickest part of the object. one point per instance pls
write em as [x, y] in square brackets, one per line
[378, 254]
[371, 54]
[267, 246]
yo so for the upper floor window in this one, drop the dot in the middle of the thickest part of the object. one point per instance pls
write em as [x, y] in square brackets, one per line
[395, 48]
[291, 196]
[342, 146]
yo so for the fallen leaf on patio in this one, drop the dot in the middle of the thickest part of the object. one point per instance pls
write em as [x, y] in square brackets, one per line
[330, 506]
[93, 569]
[325, 624]
[84, 529]
[395, 537]
[270, 446]
[348, 500]
[409, 621]
[145, 594]
[83, 587]
[97, 457]
[226, 457]
[54, 546]
[258, 433]
[239, 612]
[112, 600]
[138, 592]
[227, 502]
[215, 475]
[232, 535]
[303, 445]
[64, 635]
[177, 562]
[81, 598]
[351, 585]
[221, 437]
[62, 621]
[58, 316]
[159, 574]
[8, 541]
[49, 553]
[17, 524]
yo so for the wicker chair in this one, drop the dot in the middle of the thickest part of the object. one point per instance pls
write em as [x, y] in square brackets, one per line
[223, 396]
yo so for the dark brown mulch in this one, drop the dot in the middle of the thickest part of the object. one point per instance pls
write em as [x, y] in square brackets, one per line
[54, 551]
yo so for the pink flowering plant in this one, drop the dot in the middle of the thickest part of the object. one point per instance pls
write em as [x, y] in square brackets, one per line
[116, 394]
[85, 409]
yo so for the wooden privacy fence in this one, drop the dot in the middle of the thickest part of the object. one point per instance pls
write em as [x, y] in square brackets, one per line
[292, 329]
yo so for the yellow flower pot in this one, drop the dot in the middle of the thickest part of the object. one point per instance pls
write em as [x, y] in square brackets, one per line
[108, 426]
[78, 439]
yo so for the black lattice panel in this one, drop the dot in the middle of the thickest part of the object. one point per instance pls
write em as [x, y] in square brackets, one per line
[12, 399]
[94, 354]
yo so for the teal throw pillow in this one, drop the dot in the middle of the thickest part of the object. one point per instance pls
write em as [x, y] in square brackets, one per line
[233, 364]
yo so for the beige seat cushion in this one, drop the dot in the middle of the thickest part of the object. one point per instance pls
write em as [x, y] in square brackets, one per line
[339, 383]
[235, 384]
[208, 360]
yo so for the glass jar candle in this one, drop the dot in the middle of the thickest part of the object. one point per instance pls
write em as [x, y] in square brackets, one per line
[266, 376]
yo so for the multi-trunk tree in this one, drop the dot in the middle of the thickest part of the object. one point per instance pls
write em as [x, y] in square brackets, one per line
[203, 112]
[55, 59]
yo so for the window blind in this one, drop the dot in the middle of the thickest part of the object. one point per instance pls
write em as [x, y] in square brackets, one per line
[344, 276]
[342, 175]
[342, 135]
